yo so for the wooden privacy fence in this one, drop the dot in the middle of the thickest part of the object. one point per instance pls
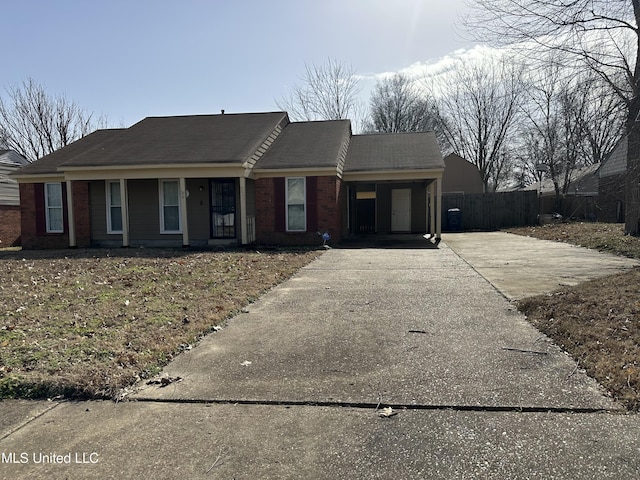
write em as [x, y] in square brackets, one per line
[490, 211]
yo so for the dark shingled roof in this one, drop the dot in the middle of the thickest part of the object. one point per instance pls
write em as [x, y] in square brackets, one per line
[50, 163]
[308, 145]
[227, 138]
[393, 151]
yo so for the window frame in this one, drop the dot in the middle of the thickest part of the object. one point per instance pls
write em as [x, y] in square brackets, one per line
[48, 208]
[287, 204]
[162, 183]
[110, 229]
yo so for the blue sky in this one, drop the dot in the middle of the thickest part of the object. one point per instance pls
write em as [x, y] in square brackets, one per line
[128, 59]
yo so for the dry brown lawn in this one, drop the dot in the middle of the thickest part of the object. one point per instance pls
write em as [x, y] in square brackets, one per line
[88, 323]
[597, 322]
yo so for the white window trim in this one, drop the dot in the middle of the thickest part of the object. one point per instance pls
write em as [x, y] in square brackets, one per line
[161, 182]
[286, 202]
[109, 224]
[46, 208]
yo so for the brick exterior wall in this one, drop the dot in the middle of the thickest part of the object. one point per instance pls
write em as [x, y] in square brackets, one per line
[31, 237]
[9, 225]
[81, 213]
[329, 207]
[265, 209]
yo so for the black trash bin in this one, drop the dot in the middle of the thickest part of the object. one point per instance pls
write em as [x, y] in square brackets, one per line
[454, 219]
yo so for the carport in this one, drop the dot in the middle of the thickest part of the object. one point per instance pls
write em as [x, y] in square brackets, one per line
[394, 184]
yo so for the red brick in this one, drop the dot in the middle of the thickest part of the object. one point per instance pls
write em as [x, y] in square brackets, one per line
[9, 225]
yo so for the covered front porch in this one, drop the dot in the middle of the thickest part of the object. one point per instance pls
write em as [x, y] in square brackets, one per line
[169, 212]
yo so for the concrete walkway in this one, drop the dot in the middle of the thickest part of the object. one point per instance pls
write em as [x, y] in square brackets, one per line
[293, 388]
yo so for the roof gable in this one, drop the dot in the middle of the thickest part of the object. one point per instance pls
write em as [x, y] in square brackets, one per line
[616, 162]
[316, 144]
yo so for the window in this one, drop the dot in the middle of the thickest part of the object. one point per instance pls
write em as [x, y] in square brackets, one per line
[296, 205]
[114, 208]
[170, 221]
[53, 207]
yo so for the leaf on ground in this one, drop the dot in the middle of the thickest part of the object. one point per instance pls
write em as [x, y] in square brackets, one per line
[387, 412]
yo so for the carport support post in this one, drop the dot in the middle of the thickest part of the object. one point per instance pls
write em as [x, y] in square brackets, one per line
[439, 209]
[432, 208]
[183, 208]
[124, 208]
[70, 217]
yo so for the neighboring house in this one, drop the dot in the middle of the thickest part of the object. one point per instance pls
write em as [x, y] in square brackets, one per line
[612, 176]
[461, 176]
[230, 179]
[581, 198]
[10, 161]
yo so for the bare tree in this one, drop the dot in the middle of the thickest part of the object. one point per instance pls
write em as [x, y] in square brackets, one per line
[476, 106]
[397, 106]
[327, 92]
[34, 123]
[601, 35]
[554, 127]
[604, 118]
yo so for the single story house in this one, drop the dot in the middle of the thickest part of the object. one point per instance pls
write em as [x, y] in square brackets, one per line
[10, 161]
[230, 179]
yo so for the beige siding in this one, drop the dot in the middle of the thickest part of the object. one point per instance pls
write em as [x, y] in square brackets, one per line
[461, 176]
[144, 212]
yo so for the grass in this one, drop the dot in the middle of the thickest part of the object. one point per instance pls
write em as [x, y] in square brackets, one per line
[597, 322]
[88, 323]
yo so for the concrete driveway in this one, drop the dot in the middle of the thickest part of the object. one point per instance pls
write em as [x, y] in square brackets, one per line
[523, 266]
[293, 388]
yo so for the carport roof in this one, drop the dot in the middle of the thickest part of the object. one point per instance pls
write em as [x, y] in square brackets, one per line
[393, 151]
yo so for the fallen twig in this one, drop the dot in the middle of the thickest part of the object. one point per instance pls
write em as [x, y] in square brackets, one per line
[217, 459]
[520, 350]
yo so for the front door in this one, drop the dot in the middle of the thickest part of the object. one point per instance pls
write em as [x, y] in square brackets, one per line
[223, 208]
[401, 210]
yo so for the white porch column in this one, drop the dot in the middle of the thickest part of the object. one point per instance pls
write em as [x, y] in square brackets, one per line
[124, 209]
[432, 208]
[439, 209]
[183, 212]
[70, 217]
[244, 239]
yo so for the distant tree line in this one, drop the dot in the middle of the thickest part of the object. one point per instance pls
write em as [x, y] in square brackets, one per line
[506, 116]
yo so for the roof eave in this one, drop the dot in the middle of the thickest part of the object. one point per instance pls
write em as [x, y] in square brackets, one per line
[382, 175]
[301, 172]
